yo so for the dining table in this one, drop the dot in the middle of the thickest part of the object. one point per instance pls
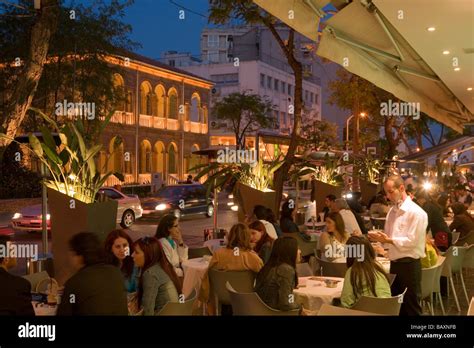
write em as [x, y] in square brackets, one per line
[194, 272]
[313, 291]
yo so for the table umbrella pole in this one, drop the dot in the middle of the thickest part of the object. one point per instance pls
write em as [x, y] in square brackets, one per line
[216, 204]
[44, 212]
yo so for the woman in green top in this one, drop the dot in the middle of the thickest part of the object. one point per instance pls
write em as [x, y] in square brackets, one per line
[364, 276]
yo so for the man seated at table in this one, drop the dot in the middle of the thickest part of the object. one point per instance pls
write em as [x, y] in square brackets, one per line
[364, 276]
[15, 294]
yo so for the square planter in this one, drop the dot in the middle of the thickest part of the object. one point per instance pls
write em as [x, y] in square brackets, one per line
[69, 218]
[368, 190]
[248, 197]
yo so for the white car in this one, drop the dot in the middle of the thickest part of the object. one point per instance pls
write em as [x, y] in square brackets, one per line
[129, 207]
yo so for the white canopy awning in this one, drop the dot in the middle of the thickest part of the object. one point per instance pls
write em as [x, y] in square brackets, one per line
[365, 41]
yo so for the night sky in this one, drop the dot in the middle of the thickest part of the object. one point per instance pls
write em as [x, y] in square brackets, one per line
[156, 25]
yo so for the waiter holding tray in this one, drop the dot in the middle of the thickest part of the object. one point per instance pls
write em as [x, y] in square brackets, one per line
[405, 233]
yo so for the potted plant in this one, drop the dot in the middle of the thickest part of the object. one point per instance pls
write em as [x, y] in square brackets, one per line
[72, 187]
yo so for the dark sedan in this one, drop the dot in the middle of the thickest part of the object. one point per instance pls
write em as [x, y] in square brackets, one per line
[180, 200]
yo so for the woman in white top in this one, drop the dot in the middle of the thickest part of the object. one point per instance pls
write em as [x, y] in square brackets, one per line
[350, 222]
[169, 235]
[332, 242]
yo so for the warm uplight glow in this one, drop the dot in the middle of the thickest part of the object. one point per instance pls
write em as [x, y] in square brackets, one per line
[445, 161]
[230, 204]
[363, 114]
[446, 52]
[417, 149]
[431, 29]
[427, 186]
[230, 196]
[457, 69]
[469, 89]
[234, 208]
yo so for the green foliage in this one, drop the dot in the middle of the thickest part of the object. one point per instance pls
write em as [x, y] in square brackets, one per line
[319, 135]
[245, 112]
[369, 168]
[71, 164]
[16, 181]
[76, 71]
[328, 172]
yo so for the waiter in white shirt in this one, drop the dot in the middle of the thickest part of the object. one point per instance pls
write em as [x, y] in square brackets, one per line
[405, 233]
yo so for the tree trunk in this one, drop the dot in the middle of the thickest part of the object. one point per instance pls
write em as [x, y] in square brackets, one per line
[27, 83]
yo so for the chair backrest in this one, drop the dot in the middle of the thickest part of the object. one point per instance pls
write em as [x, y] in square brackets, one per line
[333, 310]
[194, 253]
[428, 276]
[469, 257]
[439, 269]
[455, 237]
[178, 308]
[470, 311]
[332, 269]
[454, 260]
[380, 305]
[36, 278]
[252, 304]
[304, 270]
[242, 281]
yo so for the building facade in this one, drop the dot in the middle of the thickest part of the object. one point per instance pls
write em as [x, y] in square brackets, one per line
[163, 120]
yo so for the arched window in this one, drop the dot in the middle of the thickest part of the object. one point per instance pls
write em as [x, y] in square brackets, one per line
[121, 92]
[158, 157]
[145, 157]
[161, 97]
[145, 98]
[173, 104]
[172, 159]
[116, 153]
[195, 108]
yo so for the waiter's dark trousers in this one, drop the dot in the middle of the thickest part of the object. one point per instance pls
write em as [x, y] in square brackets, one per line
[408, 273]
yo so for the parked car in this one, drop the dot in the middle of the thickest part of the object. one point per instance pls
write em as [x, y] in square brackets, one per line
[180, 200]
[29, 219]
[129, 207]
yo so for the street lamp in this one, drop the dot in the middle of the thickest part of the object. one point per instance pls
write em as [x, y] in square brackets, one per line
[362, 114]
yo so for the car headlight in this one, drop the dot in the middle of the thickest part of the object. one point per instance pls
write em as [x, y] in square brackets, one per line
[17, 216]
[161, 206]
[48, 216]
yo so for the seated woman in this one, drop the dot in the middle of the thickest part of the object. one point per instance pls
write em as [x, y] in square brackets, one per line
[169, 235]
[288, 214]
[238, 254]
[260, 241]
[332, 241]
[277, 279]
[431, 254]
[158, 283]
[462, 223]
[117, 252]
[271, 218]
[364, 276]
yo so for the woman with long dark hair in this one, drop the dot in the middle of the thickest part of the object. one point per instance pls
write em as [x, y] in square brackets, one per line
[158, 283]
[332, 241]
[277, 279]
[259, 239]
[364, 276]
[169, 235]
[118, 252]
[287, 218]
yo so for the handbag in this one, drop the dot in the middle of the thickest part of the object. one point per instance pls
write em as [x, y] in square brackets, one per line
[441, 239]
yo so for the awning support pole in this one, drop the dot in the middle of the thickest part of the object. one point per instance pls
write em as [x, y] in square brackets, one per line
[389, 34]
[417, 73]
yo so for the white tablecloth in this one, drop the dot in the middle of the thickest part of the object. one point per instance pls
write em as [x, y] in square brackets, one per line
[214, 244]
[315, 292]
[43, 309]
[194, 272]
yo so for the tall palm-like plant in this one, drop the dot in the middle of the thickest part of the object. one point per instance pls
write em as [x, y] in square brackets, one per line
[71, 164]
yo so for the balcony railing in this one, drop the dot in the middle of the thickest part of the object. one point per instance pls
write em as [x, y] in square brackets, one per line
[195, 127]
[172, 124]
[159, 122]
[144, 178]
[146, 121]
[123, 118]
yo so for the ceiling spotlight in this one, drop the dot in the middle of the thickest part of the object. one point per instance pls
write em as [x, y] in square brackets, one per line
[431, 28]
[446, 52]
[427, 186]
[469, 89]
[457, 69]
